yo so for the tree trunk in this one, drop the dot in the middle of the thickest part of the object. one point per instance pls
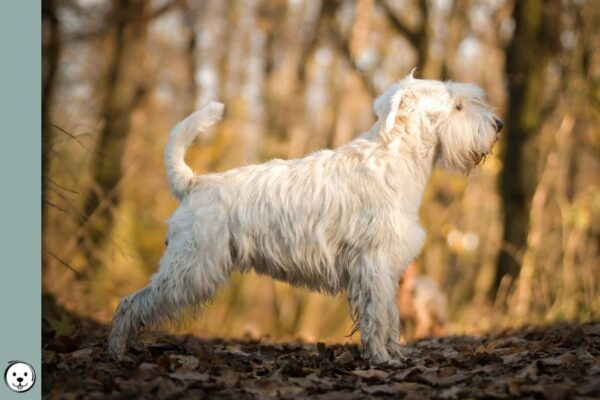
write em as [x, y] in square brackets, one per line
[526, 58]
[50, 58]
[458, 22]
[124, 87]
[190, 54]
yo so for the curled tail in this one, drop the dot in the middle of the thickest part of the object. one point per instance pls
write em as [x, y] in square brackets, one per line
[179, 174]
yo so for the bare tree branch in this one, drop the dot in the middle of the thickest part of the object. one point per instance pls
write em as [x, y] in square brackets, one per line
[69, 134]
[410, 34]
[99, 31]
[343, 46]
[68, 202]
[64, 263]
[55, 206]
[165, 8]
[327, 24]
[61, 186]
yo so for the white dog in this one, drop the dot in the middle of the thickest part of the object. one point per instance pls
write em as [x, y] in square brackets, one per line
[343, 219]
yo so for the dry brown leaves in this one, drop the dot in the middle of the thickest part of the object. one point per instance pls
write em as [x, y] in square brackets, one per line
[556, 362]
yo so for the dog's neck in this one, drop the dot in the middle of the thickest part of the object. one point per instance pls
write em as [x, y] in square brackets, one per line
[412, 160]
[403, 156]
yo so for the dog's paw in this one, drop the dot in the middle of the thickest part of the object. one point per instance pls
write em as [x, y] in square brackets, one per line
[119, 358]
[116, 348]
[390, 357]
[396, 351]
[116, 357]
[379, 357]
[387, 362]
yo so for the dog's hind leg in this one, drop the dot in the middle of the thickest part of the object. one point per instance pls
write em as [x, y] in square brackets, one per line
[188, 277]
[129, 318]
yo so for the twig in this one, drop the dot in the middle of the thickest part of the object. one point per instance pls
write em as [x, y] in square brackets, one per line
[61, 186]
[66, 200]
[69, 134]
[55, 206]
[103, 204]
[64, 263]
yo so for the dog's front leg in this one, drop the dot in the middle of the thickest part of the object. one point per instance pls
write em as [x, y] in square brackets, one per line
[371, 294]
[393, 345]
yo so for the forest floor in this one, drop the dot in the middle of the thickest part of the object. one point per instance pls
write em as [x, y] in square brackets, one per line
[555, 362]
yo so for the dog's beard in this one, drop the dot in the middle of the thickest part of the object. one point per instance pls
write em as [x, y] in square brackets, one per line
[462, 152]
[483, 156]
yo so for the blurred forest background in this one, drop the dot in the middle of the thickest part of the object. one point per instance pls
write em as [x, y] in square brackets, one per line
[516, 242]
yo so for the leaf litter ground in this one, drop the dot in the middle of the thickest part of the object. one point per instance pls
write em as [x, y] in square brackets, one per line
[556, 362]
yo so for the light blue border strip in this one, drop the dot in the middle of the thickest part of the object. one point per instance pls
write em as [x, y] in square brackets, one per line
[20, 205]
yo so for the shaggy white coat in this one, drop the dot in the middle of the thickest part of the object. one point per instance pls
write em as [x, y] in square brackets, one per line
[336, 220]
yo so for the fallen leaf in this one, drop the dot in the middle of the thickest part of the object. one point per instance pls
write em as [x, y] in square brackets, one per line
[186, 363]
[530, 372]
[371, 374]
[447, 378]
[515, 358]
[589, 387]
[62, 325]
[407, 373]
[85, 354]
[552, 391]
[592, 330]
[449, 393]
[565, 359]
[380, 389]
[345, 358]
[190, 376]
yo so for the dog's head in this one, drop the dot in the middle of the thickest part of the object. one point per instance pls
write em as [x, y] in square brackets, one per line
[452, 116]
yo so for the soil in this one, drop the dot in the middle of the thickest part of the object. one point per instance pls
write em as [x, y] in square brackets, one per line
[554, 362]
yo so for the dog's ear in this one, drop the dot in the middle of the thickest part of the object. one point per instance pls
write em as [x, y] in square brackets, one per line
[381, 105]
[396, 102]
[391, 103]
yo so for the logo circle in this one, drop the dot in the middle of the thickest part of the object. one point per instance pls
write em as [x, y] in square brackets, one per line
[19, 376]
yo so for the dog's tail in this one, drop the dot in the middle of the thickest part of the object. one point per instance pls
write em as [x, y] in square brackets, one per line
[179, 174]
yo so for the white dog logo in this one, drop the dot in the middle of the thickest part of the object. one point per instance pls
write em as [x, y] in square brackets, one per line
[19, 376]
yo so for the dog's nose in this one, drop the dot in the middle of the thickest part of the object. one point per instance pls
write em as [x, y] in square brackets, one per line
[19, 380]
[499, 124]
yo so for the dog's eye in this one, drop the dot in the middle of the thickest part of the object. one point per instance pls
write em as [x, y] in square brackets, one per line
[458, 106]
[14, 374]
[25, 374]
